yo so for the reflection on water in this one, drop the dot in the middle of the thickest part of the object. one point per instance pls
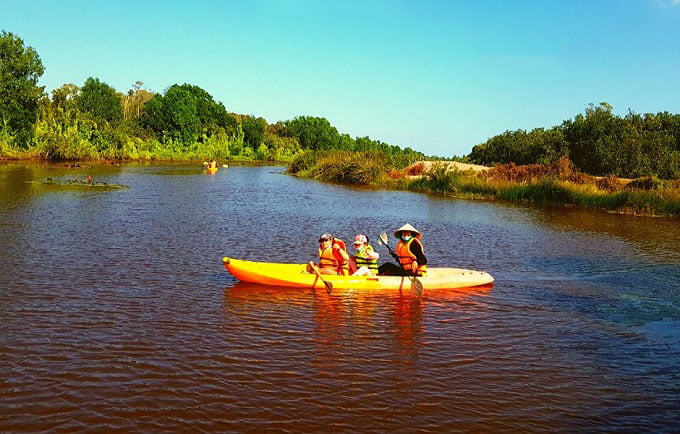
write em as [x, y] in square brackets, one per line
[116, 312]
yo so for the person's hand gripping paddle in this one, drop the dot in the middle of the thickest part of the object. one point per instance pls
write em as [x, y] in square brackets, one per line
[327, 284]
[416, 284]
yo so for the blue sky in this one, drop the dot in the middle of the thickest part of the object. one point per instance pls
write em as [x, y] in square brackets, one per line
[438, 76]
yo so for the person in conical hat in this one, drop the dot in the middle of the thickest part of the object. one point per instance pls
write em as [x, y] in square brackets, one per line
[408, 227]
[409, 253]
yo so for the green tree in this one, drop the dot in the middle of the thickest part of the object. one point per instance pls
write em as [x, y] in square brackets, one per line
[253, 130]
[313, 132]
[181, 115]
[64, 97]
[593, 140]
[538, 146]
[211, 114]
[134, 101]
[186, 113]
[100, 100]
[20, 69]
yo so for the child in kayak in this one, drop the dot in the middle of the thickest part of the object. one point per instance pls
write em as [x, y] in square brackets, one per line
[365, 261]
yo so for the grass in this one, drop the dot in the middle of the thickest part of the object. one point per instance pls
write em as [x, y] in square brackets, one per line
[356, 168]
[557, 184]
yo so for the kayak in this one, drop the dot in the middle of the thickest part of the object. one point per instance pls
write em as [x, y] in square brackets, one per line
[296, 276]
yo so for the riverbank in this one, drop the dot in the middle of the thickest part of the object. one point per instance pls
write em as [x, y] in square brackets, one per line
[556, 184]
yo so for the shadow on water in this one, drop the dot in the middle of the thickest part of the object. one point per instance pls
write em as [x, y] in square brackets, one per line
[659, 234]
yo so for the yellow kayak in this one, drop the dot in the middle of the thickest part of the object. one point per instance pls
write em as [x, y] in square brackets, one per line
[296, 276]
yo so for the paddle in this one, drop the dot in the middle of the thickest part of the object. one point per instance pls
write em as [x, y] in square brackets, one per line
[416, 284]
[329, 285]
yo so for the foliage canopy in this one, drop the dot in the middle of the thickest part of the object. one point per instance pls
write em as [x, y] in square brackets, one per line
[20, 69]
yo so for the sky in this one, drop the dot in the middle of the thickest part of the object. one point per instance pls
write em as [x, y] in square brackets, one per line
[436, 76]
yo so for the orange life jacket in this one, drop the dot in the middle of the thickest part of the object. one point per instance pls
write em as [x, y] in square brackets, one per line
[406, 258]
[329, 258]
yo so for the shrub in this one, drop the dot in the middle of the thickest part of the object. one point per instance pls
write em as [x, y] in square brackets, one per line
[416, 169]
[645, 183]
[302, 161]
[610, 183]
[514, 173]
[361, 168]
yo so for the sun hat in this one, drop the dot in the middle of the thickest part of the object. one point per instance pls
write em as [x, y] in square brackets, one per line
[407, 227]
[360, 239]
[325, 237]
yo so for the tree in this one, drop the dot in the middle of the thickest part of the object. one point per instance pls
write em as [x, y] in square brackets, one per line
[538, 146]
[313, 132]
[20, 69]
[64, 97]
[134, 101]
[186, 113]
[100, 100]
[253, 130]
[173, 116]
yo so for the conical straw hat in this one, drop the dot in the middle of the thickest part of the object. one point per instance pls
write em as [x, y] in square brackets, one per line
[407, 227]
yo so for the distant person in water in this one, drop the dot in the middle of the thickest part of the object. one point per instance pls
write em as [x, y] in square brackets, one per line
[409, 253]
[212, 165]
[364, 262]
[333, 258]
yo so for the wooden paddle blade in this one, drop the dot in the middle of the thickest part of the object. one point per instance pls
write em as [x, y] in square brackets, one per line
[417, 287]
[327, 284]
[383, 238]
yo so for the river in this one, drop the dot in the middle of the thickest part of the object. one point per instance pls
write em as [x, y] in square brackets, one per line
[117, 314]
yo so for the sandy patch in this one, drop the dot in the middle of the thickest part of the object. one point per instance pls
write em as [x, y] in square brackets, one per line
[451, 164]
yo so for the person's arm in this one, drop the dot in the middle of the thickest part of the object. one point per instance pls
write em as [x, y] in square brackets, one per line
[417, 250]
[340, 251]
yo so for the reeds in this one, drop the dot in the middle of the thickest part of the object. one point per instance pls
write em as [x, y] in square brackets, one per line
[359, 168]
[556, 184]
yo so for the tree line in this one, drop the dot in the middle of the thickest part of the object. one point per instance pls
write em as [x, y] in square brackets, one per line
[597, 142]
[185, 122]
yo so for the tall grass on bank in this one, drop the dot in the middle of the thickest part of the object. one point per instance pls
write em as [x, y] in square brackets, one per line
[444, 180]
[639, 196]
[347, 167]
[74, 136]
[361, 168]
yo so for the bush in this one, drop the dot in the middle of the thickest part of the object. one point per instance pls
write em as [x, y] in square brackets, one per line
[520, 174]
[562, 169]
[416, 169]
[610, 183]
[645, 183]
[361, 168]
[301, 162]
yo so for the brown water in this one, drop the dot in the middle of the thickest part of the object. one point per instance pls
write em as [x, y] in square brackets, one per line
[116, 313]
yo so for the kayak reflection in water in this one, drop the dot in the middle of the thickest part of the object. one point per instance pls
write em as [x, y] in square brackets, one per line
[409, 253]
[333, 257]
